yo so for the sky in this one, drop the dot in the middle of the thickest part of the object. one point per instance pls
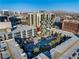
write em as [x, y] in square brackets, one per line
[35, 5]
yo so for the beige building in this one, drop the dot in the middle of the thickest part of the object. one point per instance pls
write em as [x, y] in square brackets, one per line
[35, 19]
[5, 28]
[40, 20]
[15, 51]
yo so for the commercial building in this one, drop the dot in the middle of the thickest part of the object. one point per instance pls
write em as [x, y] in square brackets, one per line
[71, 26]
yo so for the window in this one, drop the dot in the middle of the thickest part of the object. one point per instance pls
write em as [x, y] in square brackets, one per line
[29, 32]
[1, 38]
[32, 19]
[10, 36]
[17, 34]
[24, 34]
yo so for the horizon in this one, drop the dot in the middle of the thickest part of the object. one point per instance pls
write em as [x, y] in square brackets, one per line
[39, 10]
[36, 5]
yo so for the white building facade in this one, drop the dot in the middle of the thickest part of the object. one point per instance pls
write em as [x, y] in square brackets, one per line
[24, 31]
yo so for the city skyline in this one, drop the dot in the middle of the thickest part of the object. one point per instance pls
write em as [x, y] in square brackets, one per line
[35, 5]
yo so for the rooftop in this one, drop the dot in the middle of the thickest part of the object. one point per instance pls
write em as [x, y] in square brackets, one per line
[72, 21]
[24, 27]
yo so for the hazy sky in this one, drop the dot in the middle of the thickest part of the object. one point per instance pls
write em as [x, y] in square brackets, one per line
[34, 5]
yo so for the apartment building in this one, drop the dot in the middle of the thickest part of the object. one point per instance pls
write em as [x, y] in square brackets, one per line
[71, 26]
[4, 53]
[46, 22]
[66, 50]
[15, 51]
[35, 19]
[24, 31]
[5, 28]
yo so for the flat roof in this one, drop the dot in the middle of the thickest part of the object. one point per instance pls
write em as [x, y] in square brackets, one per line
[63, 32]
[63, 46]
[24, 27]
[71, 21]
